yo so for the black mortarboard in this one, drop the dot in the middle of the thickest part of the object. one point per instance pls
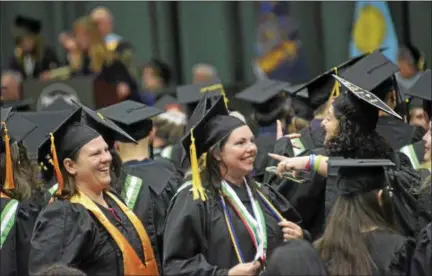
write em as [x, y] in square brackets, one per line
[205, 132]
[107, 128]
[366, 96]
[4, 114]
[422, 88]
[18, 105]
[356, 176]
[133, 117]
[268, 98]
[373, 73]
[19, 128]
[192, 93]
[27, 25]
[319, 89]
[165, 102]
[262, 91]
[48, 122]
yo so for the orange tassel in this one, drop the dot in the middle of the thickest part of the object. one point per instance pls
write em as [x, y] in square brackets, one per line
[56, 166]
[9, 181]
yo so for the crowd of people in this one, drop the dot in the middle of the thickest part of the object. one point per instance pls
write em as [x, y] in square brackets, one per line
[335, 180]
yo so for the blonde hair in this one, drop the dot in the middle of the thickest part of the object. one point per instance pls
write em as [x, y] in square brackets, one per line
[170, 126]
[98, 52]
[297, 124]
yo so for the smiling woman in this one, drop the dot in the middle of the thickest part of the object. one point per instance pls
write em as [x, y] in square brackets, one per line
[228, 211]
[87, 226]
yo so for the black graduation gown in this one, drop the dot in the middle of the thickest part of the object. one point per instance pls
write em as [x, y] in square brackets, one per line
[396, 132]
[265, 145]
[48, 61]
[390, 252]
[197, 241]
[15, 250]
[421, 262]
[69, 234]
[153, 199]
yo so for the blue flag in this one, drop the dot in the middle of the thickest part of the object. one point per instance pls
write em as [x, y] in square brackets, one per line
[279, 50]
[373, 29]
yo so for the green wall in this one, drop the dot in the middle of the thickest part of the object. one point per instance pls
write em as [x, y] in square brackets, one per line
[220, 33]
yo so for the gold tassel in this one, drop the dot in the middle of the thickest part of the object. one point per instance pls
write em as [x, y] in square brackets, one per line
[55, 163]
[9, 180]
[197, 188]
[225, 98]
[335, 91]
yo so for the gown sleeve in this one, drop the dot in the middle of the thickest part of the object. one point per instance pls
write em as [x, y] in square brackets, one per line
[400, 264]
[421, 263]
[25, 221]
[62, 234]
[185, 239]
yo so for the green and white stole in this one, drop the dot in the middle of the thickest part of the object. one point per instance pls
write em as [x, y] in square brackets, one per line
[8, 216]
[254, 223]
[131, 190]
[410, 152]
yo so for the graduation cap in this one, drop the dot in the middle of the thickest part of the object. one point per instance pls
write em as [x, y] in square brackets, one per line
[321, 88]
[357, 176]
[373, 73]
[107, 128]
[268, 98]
[366, 96]
[12, 129]
[133, 117]
[27, 25]
[422, 90]
[189, 94]
[205, 132]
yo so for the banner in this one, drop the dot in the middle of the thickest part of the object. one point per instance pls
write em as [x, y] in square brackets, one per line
[373, 29]
[279, 50]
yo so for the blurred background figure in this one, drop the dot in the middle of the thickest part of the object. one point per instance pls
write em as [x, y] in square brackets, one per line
[204, 73]
[31, 57]
[411, 63]
[11, 86]
[155, 75]
[114, 42]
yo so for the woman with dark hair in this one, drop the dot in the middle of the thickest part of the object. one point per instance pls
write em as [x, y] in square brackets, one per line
[17, 213]
[231, 223]
[87, 226]
[350, 132]
[361, 237]
[296, 258]
[31, 57]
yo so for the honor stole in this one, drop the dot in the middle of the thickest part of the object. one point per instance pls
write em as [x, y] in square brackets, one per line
[132, 264]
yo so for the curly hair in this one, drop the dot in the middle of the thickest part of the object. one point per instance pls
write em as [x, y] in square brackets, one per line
[357, 137]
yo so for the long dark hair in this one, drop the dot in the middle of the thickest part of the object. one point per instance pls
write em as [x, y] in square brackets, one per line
[345, 243]
[23, 173]
[356, 137]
